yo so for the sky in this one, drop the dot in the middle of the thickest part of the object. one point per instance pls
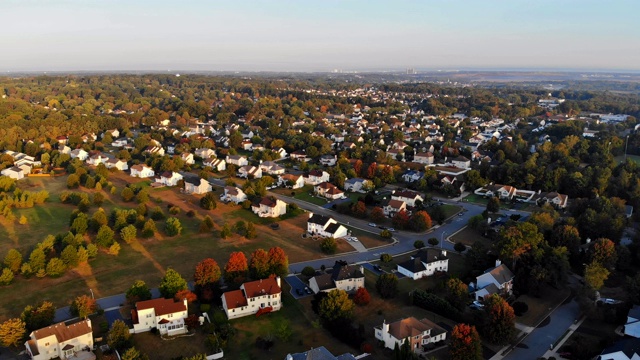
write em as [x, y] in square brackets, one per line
[318, 35]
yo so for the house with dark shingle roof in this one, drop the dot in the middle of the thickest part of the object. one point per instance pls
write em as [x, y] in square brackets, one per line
[425, 263]
[325, 226]
[342, 277]
[497, 280]
[61, 341]
[417, 333]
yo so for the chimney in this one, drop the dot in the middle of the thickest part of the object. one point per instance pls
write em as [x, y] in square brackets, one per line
[278, 281]
[498, 262]
[385, 327]
[444, 253]
[310, 215]
[184, 301]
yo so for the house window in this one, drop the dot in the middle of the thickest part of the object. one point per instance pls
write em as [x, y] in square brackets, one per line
[46, 344]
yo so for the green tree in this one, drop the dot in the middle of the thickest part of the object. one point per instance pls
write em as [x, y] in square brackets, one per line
[37, 259]
[418, 244]
[80, 224]
[39, 316]
[387, 285]
[128, 233]
[133, 354]
[208, 201]
[501, 327]
[225, 232]
[328, 245]
[173, 226]
[308, 271]
[149, 228]
[105, 236]
[12, 332]
[139, 291]
[127, 194]
[465, 343]
[493, 205]
[336, 306]
[171, 283]
[433, 241]
[73, 181]
[206, 225]
[251, 231]
[69, 256]
[119, 336]
[459, 247]
[457, 293]
[595, 275]
[56, 267]
[83, 306]
[516, 240]
[13, 260]
[6, 277]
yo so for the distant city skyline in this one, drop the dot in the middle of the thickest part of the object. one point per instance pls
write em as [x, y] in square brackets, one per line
[279, 35]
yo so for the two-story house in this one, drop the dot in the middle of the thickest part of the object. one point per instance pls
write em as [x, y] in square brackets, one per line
[272, 168]
[425, 263]
[250, 172]
[169, 178]
[232, 193]
[342, 277]
[204, 153]
[255, 297]
[408, 196]
[237, 160]
[116, 164]
[291, 181]
[423, 158]
[393, 207]
[196, 185]
[62, 341]
[461, 162]
[328, 190]
[142, 171]
[13, 172]
[97, 159]
[417, 333]
[188, 158]
[215, 163]
[269, 207]
[79, 154]
[497, 280]
[166, 315]
[154, 150]
[328, 160]
[358, 185]
[315, 177]
[412, 176]
[503, 192]
[559, 201]
[325, 226]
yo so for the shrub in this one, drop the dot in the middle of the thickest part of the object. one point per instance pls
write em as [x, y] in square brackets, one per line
[386, 258]
[520, 308]
[191, 213]
[173, 226]
[418, 244]
[328, 245]
[308, 271]
[174, 210]
[436, 304]
[56, 267]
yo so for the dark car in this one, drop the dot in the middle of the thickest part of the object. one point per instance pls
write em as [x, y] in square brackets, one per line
[382, 227]
[299, 292]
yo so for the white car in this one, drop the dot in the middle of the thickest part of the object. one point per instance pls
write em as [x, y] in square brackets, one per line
[372, 224]
[476, 305]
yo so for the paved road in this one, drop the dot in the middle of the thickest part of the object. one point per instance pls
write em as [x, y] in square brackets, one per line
[109, 302]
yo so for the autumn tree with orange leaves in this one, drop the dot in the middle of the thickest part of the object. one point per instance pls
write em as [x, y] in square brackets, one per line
[235, 271]
[259, 265]
[465, 343]
[278, 262]
[501, 327]
[207, 272]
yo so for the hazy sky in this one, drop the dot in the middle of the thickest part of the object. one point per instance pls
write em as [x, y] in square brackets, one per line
[318, 35]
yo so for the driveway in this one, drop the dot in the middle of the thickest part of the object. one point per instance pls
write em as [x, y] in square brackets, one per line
[113, 315]
[296, 283]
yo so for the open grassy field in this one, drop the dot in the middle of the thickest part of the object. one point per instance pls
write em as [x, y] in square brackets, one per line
[469, 236]
[144, 259]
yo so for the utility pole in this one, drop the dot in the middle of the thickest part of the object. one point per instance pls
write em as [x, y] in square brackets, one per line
[92, 294]
[626, 144]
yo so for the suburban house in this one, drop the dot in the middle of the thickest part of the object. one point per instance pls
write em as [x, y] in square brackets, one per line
[116, 164]
[395, 154]
[425, 263]
[79, 153]
[232, 193]
[154, 150]
[64, 149]
[498, 280]
[298, 155]
[255, 297]
[358, 185]
[325, 226]
[246, 145]
[97, 159]
[393, 207]
[328, 160]
[237, 160]
[461, 162]
[412, 176]
[113, 132]
[322, 353]
[169, 178]
[632, 326]
[623, 349]
[271, 168]
[408, 196]
[13, 172]
[291, 181]
[121, 142]
[315, 177]
[215, 163]
[204, 153]
[250, 172]
[280, 151]
[417, 333]
[63, 341]
[423, 158]
[329, 191]
[557, 200]
[166, 315]
[62, 139]
[343, 277]
[503, 192]
[188, 158]
[269, 207]
[142, 171]
[196, 185]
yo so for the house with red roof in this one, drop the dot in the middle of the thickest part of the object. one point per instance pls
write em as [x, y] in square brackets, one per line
[73, 341]
[166, 315]
[254, 297]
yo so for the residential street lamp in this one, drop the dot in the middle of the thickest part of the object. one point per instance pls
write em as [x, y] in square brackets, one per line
[91, 293]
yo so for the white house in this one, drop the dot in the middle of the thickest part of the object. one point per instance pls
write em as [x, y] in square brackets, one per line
[122, 142]
[281, 151]
[290, 180]
[166, 315]
[269, 207]
[232, 193]
[423, 158]
[358, 185]
[79, 153]
[97, 159]
[632, 326]
[196, 185]
[204, 153]
[255, 297]
[154, 150]
[216, 164]
[412, 176]
[497, 280]
[324, 354]
[187, 158]
[169, 178]
[329, 191]
[272, 168]
[62, 341]
[315, 177]
[13, 172]
[425, 263]
[504, 192]
[461, 162]
[116, 164]
[393, 207]
[408, 196]
[237, 160]
[113, 132]
[142, 171]
[250, 172]
[342, 277]
[64, 149]
[417, 333]
[328, 160]
[325, 226]
[553, 198]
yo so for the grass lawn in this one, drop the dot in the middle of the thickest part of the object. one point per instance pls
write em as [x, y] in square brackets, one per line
[178, 347]
[634, 158]
[306, 196]
[450, 210]
[368, 239]
[539, 307]
[477, 199]
[468, 236]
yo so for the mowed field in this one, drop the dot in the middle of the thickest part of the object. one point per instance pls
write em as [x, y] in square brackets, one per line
[144, 259]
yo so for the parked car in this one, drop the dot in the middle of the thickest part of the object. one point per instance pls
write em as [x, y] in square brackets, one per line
[372, 224]
[307, 290]
[392, 229]
[476, 305]
[382, 227]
